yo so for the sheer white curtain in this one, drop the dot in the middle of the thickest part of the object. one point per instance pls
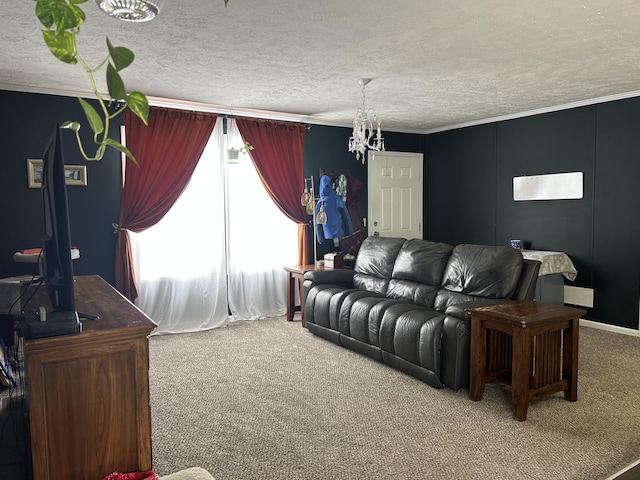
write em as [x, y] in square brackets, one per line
[217, 256]
[262, 240]
[180, 261]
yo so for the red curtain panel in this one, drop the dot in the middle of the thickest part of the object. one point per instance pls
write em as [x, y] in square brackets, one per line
[167, 151]
[278, 155]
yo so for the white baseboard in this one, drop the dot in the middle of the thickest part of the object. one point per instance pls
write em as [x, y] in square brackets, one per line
[626, 469]
[609, 328]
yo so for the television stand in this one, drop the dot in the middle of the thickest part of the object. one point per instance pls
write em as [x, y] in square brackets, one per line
[88, 394]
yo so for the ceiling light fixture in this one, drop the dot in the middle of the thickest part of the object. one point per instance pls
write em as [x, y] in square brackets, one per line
[363, 127]
[131, 10]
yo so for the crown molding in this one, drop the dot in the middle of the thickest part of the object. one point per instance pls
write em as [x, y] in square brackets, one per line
[309, 119]
[529, 113]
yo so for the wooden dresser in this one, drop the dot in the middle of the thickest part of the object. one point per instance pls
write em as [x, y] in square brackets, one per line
[88, 393]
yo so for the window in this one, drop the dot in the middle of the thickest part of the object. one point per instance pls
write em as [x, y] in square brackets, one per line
[217, 255]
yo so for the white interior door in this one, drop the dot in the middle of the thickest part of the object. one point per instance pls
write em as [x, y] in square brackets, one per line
[395, 194]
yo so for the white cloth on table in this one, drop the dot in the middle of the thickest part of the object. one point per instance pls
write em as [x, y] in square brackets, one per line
[552, 262]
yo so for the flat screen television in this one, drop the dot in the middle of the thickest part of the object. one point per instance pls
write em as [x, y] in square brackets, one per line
[56, 269]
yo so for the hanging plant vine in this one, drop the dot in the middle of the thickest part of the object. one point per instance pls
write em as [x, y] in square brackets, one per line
[62, 20]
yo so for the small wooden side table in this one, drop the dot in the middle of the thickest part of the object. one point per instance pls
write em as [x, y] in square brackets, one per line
[531, 346]
[295, 275]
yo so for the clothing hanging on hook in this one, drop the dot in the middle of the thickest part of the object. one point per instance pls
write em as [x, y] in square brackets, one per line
[338, 219]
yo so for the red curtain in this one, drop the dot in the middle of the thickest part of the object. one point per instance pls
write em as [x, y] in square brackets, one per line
[278, 155]
[167, 151]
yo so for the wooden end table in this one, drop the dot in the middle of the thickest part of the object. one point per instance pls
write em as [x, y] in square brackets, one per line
[295, 275]
[531, 346]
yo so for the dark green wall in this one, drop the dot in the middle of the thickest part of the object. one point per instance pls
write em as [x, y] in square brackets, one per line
[552, 143]
[460, 186]
[469, 194]
[616, 217]
[27, 121]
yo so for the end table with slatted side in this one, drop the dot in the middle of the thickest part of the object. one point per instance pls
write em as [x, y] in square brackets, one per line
[529, 345]
[295, 278]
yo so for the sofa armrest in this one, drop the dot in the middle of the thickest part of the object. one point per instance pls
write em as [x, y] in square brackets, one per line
[454, 369]
[338, 276]
[459, 310]
[526, 288]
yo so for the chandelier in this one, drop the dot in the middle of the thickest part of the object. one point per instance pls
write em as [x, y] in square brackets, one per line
[131, 10]
[363, 127]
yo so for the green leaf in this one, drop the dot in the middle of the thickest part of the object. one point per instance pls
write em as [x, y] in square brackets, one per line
[73, 18]
[78, 2]
[44, 12]
[95, 120]
[59, 14]
[75, 126]
[62, 45]
[118, 146]
[139, 105]
[122, 57]
[115, 84]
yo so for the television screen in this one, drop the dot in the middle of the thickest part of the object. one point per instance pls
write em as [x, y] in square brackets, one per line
[56, 269]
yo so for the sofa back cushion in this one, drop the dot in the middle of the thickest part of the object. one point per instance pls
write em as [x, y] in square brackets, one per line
[483, 271]
[374, 264]
[422, 261]
[417, 272]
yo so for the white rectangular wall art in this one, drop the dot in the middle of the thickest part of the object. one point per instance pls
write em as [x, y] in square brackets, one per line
[555, 186]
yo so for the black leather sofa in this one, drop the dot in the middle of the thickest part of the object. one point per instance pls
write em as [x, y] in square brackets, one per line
[404, 302]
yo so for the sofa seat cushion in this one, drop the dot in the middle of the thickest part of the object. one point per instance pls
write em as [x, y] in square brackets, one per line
[317, 305]
[412, 291]
[357, 320]
[365, 316]
[446, 299]
[361, 320]
[389, 320]
[343, 303]
[370, 283]
[411, 340]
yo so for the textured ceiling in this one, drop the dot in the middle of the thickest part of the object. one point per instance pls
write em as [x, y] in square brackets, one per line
[434, 64]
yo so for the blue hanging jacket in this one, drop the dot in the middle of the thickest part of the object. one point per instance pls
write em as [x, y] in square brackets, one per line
[338, 218]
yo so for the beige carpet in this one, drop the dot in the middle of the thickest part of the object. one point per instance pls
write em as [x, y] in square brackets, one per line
[268, 400]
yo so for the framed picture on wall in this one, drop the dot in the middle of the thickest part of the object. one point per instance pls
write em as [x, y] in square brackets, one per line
[74, 174]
